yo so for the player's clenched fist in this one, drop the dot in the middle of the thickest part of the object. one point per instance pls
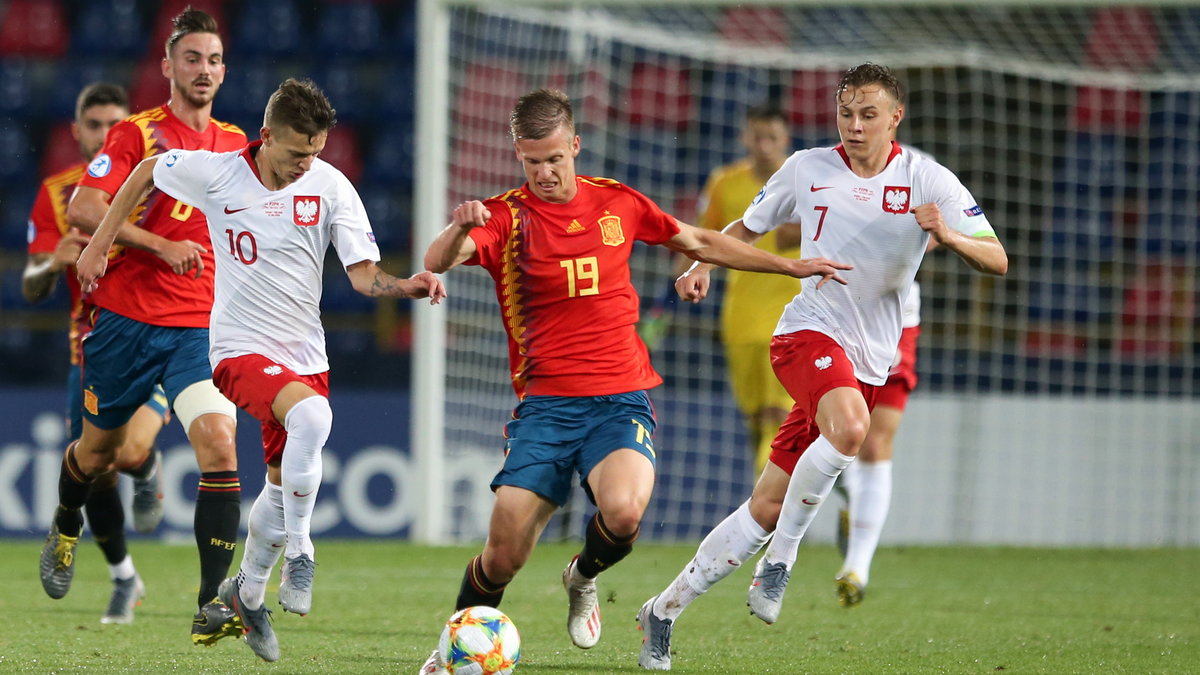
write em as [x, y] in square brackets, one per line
[470, 215]
[929, 217]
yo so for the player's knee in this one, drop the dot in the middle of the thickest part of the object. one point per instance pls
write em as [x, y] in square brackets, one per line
[848, 437]
[765, 511]
[503, 563]
[311, 417]
[214, 437]
[624, 520]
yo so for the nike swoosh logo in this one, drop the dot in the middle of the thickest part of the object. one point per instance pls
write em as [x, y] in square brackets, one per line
[805, 501]
[297, 493]
[811, 188]
[229, 211]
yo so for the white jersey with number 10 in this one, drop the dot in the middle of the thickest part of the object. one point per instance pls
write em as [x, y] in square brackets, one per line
[270, 250]
[868, 223]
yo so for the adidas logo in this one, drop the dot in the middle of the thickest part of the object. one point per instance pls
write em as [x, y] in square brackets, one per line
[575, 227]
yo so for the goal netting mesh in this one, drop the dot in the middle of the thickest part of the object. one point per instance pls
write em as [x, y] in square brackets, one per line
[1077, 128]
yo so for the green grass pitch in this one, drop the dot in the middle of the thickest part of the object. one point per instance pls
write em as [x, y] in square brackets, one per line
[379, 605]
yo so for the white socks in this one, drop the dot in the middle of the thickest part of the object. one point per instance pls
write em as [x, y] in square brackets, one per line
[308, 424]
[122, 570]
[870, 498]
[264, 543]
[732, 542]
[810, 484]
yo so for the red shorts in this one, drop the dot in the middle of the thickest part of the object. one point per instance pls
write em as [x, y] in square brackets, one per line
[809, 364]
[902, 379]
[252, 382]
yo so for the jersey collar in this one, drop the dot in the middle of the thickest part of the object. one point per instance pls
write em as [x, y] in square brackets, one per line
[248, 154]
[896, 150]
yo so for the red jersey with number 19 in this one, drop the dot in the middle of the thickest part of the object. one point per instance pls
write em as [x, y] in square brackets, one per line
[563, 282]
[139, 285]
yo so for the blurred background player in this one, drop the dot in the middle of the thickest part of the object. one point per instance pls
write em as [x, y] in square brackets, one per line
[54, 247]
[558, 249]
[752, 301]
[284, 208]
[151, 325]
[866, 484]
[833, 347]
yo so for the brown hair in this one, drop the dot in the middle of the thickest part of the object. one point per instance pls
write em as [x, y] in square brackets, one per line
[540, 113]
[301, 106]
[767, 112]
[871, 73]
[100, 93]
[190, 21]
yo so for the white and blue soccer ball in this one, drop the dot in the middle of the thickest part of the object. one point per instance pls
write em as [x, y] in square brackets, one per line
[480, 641]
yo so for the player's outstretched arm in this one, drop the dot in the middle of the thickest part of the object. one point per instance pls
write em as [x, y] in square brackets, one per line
[180, 256]
[87, 208]
[725, 250]
[985, 254]
[454, 245]
[368, 279]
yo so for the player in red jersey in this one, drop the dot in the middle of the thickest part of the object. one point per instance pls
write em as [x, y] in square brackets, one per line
[558, 248]
[151, 326]
[53, 247]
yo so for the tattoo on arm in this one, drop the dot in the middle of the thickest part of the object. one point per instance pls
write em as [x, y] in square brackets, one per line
[385, 285]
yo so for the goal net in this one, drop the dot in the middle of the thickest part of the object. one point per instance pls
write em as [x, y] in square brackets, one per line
[1043, 394]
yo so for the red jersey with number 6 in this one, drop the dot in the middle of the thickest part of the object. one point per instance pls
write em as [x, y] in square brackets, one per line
[138, 284]
[563, 282]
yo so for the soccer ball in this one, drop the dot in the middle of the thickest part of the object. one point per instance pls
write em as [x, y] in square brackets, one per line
[480, 641]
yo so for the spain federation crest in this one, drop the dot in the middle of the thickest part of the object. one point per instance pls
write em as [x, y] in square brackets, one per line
[610, 231]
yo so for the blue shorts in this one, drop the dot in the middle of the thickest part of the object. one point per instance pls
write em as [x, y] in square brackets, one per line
[123, 361]
[552, 437]
[157, 402]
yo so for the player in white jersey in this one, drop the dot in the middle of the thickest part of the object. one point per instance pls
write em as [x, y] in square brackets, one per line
[866, 484]
[273, 209]
[834, 344]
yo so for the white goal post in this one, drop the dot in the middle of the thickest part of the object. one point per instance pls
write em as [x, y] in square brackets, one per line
[1058, 405]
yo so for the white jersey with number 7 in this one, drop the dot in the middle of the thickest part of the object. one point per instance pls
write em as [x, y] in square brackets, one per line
[868, 223]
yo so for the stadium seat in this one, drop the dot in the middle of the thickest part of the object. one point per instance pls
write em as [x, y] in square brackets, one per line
[390, 156]
[343, 82]
[390, 211]
[650, 163]
[841, 27]
[1158, 310]
[1122, 38]
[812, 106]
[342, 151]
[1179, 31]
[244, 93]
[16, 200]
[16, 88]
[72, 74]
[658, 95]
[755, 25]
[350, 29]
[269, 28]
[1107, 110]
[37, 28]
[20, 160]
[1092, 164]
[396, 96]
[60, 150]
[109, 28]
[149, 89]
